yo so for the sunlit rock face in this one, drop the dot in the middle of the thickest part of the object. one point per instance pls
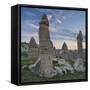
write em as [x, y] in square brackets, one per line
[46, 66]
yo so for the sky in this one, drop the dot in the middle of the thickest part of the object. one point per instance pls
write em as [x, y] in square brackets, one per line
[64, 25]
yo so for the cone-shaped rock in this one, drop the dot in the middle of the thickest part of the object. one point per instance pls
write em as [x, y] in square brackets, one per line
[64, 47]
[33, 49]
[32, 43]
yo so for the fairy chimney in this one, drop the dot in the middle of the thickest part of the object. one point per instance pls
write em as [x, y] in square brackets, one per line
[64, 47]
[46, 66]
[32, 43]
[33, 48]
[79, 41]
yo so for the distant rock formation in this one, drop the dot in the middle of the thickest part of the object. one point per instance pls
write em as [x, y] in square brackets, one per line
[64, 47]
[33, 48]
[79, 41]
[32, 43]
[81, 54]
[65, 53]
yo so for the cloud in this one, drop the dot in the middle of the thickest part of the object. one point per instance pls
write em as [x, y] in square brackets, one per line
[29, 26]
[64, 34]
[64, 17]
[57, 14]
[49, 11]
[61, 28]
[52, 29]
[30, 14]
[28, 35]
[62, 37]
[57, 44]
[49, 17]
[58, 20]
[32, 25]
[25, 36]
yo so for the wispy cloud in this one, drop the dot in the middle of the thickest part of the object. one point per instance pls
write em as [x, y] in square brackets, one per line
[58, 16]
[63, 37]
[66, 34]
[30, 14]
[59, 21]
[29, 26]
[32, 25]
[64, 25]
[49, 17]
[25, 37]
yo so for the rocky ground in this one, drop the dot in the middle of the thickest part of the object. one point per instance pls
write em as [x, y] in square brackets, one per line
[28, 76]
[64, 69]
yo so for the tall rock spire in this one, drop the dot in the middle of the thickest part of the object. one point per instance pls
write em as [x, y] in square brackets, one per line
[44, 29]
[79, 41]
[80, 36]
[46, 66]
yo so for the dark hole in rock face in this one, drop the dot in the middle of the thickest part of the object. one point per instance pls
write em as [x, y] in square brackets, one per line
[55, 63]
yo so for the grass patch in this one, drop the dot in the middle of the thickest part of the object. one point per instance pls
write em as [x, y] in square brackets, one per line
[70, 62]
[28, 76]
[28, 61]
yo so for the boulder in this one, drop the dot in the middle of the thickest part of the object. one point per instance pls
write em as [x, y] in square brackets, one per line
[79, 65]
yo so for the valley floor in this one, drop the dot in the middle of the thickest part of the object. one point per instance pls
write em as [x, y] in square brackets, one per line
[28, 76]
